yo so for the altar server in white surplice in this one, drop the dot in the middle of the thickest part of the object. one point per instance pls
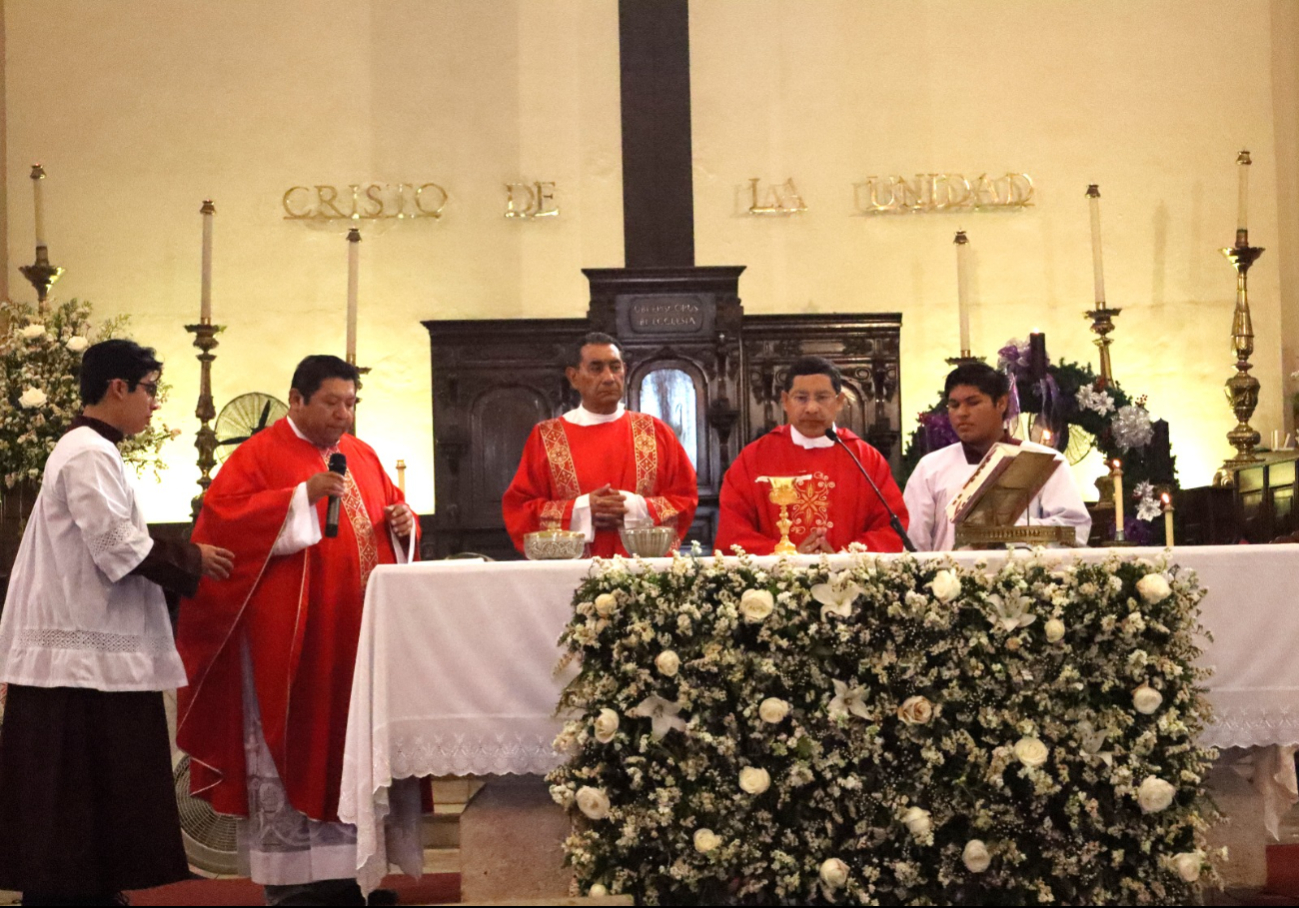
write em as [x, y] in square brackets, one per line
[977, 400]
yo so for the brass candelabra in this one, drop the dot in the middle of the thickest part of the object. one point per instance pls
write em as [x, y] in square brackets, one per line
[205, 339]
[1242, 388]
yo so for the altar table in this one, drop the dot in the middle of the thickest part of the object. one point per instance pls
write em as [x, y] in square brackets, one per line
[455, 672]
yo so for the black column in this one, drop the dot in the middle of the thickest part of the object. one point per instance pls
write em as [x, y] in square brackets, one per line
[657, 185]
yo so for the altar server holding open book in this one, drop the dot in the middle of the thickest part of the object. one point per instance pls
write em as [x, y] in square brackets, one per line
[977, 402]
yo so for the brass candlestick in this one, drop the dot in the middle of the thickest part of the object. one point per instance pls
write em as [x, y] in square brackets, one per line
[1242, 388]
[42, 275]
[784, 492]
[1102, 326]
[206, 441]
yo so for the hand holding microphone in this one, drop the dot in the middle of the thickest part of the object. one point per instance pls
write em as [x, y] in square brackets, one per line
[329, 485]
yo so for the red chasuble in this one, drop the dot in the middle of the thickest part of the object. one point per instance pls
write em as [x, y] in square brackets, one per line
[300, 613]
[635, 453]
[836, 497]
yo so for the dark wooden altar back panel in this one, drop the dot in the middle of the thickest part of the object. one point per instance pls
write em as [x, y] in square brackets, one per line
[494, 379]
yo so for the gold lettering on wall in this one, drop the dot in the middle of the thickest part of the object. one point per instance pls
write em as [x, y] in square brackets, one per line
[927, 192]
[364, 202]
[778, 199]
[531, 200]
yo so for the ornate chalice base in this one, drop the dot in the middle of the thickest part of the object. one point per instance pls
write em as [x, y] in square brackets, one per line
[784, 492]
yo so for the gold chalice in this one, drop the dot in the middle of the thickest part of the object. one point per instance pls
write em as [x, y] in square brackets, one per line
[784, 492]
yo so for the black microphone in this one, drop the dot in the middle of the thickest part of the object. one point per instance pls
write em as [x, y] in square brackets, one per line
[337, 464]
[831, 434]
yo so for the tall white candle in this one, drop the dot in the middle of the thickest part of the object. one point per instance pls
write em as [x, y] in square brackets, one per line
[1098, 269]
[1168, 519]
[205, 282]
[1118, 499]
[1242, 191]
[38, 174]
[353, 282]
[963, 288]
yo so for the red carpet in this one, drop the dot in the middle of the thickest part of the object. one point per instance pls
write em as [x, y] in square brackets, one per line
[434, 887]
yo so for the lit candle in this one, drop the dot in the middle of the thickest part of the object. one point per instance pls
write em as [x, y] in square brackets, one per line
[353, 281]
[38, 174]
[1047, 437]
[1168, 518]
[205, 283]
[1098, 269]
[963, 289]
[401, 476]
[1118, 500]
[1242, 195]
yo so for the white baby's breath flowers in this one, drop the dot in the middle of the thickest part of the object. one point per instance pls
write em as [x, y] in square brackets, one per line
[31, 398]
[975, 856]
[916, 711]
[917, 821]
[756, 605]
[605, 725]
[1031, 751]
[706, 840]
[773, 710]
[1154, 588]
[754, 780]
[946, 586]
[1154, 794]
[668, 663]
[593, 802]
[1146, 700]
[834, 873]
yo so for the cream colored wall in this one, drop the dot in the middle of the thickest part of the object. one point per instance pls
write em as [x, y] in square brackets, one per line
[1152, 100]
[141, 109]
[1285, 104]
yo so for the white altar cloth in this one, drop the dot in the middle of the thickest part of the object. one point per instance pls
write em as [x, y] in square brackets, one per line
[455, 668]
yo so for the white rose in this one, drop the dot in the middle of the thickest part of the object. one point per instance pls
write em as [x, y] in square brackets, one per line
[754, 780]
[1031, 751]
[756, 605]
[1154, 794]
[1145, 699]
[917, 821]
[76, 343]
[604, 604]
[706, 840]
[598, 891]
[916, 711]
[32, 331]
[1188, 864]
[834, 873]
[1154, 588]
[593, 802]
[606, 726]
[1054, 630]
[773, 710]
[32, 397]
[976, 856]
[668, 663]
[946, 586]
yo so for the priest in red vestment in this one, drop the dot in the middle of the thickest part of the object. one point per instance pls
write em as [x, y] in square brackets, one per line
[836, 506]
[270, 653]
[600, 466]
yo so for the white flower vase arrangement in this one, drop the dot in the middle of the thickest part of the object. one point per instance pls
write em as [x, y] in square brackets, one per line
[783, 735]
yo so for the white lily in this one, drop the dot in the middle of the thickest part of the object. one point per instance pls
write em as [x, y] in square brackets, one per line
[1011, 611]
[848, 700]
[664, 714]
[836, 598]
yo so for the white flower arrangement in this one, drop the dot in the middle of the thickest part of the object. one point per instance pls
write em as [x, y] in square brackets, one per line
[901, 753]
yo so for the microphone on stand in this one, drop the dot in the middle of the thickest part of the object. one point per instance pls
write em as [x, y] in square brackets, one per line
[831, 434]
[337, 464]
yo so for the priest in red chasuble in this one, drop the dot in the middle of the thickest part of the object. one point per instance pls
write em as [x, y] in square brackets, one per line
[600, 466]
[270, 653]
[836, 506]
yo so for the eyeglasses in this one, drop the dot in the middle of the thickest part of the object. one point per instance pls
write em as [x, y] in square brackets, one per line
[824, 399]
[150, 388]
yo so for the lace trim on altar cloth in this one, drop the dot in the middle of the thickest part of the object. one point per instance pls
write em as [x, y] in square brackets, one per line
[96, 641]
[1252, 726]
[454, 755]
